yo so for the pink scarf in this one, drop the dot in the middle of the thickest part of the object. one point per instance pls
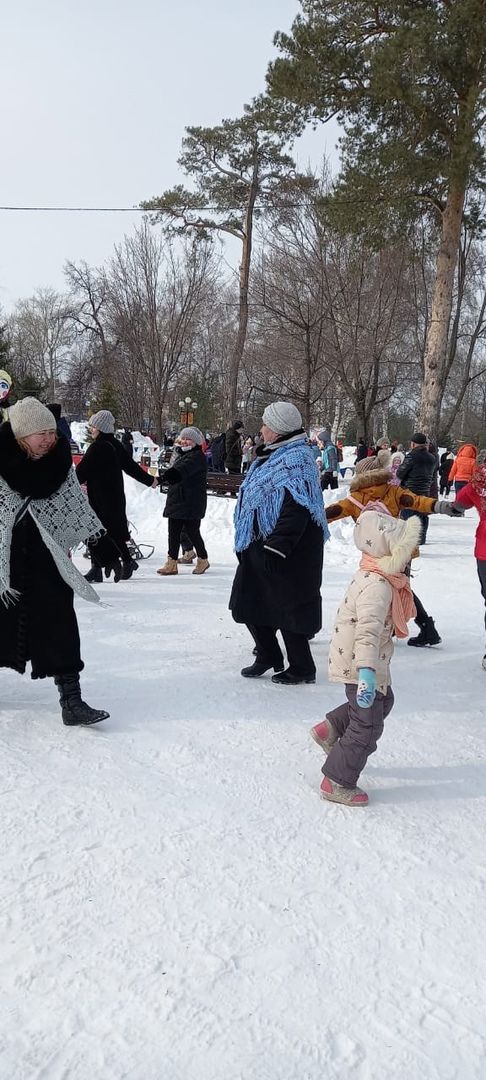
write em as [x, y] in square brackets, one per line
[403, 607]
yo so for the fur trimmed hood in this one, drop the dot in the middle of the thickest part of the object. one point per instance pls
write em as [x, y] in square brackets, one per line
[369, 479]
[390, 541]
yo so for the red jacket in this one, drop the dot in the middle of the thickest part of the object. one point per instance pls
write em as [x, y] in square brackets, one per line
[468, 497]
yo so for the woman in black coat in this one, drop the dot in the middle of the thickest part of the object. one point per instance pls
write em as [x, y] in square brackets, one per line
[43, 514]
[186, 500]
[278, 579]
[233, 447]
[101, 469]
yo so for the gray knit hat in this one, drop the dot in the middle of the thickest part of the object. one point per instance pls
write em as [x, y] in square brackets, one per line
[282, 417]
[381, 460]
[192, 433]
[323, 435]
[29, 417]
[104, 421]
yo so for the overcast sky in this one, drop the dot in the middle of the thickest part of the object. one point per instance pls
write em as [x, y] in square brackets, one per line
[95, 97]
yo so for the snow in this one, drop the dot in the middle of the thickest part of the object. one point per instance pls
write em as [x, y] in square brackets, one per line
[177, 903]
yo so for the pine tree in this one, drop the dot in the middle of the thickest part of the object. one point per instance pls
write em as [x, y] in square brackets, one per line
[238, 168]
[407, 80]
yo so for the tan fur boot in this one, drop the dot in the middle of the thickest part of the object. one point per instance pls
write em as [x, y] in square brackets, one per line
[187, 557]
[170, 567]
[201, 566]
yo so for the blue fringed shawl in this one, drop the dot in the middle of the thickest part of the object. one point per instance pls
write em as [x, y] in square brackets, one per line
[291, 467]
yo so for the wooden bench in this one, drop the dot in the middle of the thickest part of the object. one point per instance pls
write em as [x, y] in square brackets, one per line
[219, 483]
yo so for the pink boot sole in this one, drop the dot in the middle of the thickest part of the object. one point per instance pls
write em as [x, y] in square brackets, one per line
[325, 735]
[347, 796]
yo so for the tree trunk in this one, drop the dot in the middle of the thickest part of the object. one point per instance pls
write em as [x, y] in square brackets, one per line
[435, 358]
[244, 281]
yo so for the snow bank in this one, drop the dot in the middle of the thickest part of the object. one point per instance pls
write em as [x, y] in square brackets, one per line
[178, 904]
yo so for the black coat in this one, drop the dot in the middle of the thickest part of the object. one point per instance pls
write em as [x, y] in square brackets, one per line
[41, 626]
[445, 467]
[287, 594]
[187, 495]
[101, 469]
[417, 470]
[233, 448]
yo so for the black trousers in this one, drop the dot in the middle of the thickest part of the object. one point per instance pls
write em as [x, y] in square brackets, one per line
[329, 481]
[296, 645]
[481, 564]
[192, 527]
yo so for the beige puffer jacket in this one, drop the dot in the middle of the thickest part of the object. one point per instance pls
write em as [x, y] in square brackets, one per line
[362, 634]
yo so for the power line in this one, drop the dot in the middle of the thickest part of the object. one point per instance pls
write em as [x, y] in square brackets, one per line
[133, 209]
[78, 209]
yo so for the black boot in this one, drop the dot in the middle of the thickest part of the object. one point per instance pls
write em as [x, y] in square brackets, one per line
[428, 634]
[95, 574]
[288, 679]
[74, 709]
[259, 667]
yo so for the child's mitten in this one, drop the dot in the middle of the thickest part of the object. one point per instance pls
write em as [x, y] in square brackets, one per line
[365, 695]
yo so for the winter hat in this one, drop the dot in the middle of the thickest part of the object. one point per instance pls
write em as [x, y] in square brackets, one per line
[104, 421]
[323, 436]
[389, 540]
[419, 438]
[29, 417]
[376, 463]
[282, 417]
[192, 433]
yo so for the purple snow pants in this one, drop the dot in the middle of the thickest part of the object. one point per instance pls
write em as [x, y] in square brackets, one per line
[359, 731]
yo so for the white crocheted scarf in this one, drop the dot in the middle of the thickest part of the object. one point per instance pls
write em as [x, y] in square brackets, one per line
[64, 520]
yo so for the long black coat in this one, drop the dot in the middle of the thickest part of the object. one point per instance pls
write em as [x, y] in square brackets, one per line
[101, 469]
[287, 596]
[41, 626]
[417, 470]
[233, 448]
[187, 495]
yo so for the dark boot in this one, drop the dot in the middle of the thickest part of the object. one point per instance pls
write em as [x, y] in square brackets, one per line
[74, 709]
[127, 571]
[428, 635]
[288, 679]
[95, 574]
[259, 667]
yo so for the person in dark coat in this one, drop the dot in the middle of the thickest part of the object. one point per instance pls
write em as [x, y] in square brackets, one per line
[61, 422]
[233, 447]
[416, 473]
[127, 441]
[186, 500]
[280, 532]
[101, 469]
[361, 450]
[446, 463]
[43, 514]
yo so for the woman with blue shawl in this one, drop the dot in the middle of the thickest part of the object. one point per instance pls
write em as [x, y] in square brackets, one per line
[280, 529]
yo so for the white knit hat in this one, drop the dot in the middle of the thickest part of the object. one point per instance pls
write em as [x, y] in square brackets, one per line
[29, 417]
[104, 421]
[192, 433]
[282, 417]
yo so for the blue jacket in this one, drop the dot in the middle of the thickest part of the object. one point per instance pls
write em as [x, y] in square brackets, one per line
[329, 458]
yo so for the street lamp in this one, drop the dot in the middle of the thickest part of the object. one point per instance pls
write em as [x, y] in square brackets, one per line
[188, 408]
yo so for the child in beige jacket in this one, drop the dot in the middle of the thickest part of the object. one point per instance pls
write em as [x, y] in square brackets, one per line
[377, 605]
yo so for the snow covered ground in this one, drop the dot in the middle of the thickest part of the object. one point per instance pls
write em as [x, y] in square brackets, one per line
[176, 901]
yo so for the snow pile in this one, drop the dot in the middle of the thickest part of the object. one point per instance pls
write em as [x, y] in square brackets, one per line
[178, 903]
